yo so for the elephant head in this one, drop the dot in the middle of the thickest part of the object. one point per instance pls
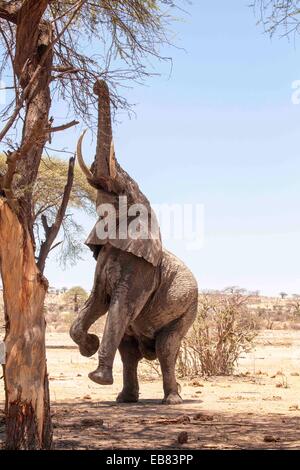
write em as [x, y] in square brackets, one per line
[111, 182]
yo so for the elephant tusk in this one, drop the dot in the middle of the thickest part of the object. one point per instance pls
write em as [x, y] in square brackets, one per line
[82, 165]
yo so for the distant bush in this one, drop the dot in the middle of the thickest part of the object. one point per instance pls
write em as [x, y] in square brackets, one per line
[224, 328]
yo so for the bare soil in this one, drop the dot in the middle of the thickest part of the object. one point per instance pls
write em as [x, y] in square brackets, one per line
[258, 407]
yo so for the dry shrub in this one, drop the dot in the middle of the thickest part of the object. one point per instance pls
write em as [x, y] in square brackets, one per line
[224, 328]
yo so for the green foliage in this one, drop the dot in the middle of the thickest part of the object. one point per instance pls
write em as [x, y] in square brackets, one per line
[78, 291]
[123, 35]
[140, 12]
[77, 296]
[50, 184]
[47, 195]
[114, 40]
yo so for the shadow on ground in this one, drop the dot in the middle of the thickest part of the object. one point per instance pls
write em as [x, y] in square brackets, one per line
[150, 425]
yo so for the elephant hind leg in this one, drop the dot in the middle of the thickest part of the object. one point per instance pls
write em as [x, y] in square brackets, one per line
[168, 343]
[130, 355]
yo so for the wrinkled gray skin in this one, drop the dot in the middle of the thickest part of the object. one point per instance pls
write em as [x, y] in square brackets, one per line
[149, 306]
[149, 312]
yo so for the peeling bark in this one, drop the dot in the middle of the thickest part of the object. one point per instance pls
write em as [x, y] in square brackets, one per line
[32, 64]
[28, 17]
[28, 423]
[26, 381]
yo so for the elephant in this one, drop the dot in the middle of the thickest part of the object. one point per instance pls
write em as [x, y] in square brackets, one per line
[149, 295]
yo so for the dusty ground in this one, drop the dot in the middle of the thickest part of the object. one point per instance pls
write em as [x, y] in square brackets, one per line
[259, 407]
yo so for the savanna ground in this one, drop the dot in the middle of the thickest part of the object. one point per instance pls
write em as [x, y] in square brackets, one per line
[257, 407]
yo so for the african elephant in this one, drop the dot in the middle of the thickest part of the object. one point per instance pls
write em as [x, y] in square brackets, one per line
[149, 295]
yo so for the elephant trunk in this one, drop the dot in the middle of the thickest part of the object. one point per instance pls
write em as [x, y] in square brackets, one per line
[104, 135]
[104, 166]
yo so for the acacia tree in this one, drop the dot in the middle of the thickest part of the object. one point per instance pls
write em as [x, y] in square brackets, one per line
[77, 296]
[44, 44]
[283, 295]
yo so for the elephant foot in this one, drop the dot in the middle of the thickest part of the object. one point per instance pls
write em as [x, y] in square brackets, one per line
[89, 346]
[127, 397]
[102, 375]
[172, 399]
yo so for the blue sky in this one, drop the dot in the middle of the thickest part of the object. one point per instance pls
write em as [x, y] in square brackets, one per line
[220, 131]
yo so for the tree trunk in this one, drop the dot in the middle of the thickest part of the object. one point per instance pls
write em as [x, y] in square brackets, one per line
[26, 383]
[37, 105]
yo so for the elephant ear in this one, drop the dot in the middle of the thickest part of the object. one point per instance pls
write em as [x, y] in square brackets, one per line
[150, 249]
[145, 242]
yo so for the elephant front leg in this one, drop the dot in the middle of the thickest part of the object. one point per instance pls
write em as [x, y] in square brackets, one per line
[122, 311]
[116, 324]
[92, 310]
[137, 281]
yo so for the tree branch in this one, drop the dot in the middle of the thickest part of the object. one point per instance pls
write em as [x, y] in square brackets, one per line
[28, 89]
[9, 10]
[56, 245]
[51, 232]
[63, 127]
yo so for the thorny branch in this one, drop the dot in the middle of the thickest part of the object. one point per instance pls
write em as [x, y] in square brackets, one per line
[123, 34]
[29, 90]
[278, 16]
